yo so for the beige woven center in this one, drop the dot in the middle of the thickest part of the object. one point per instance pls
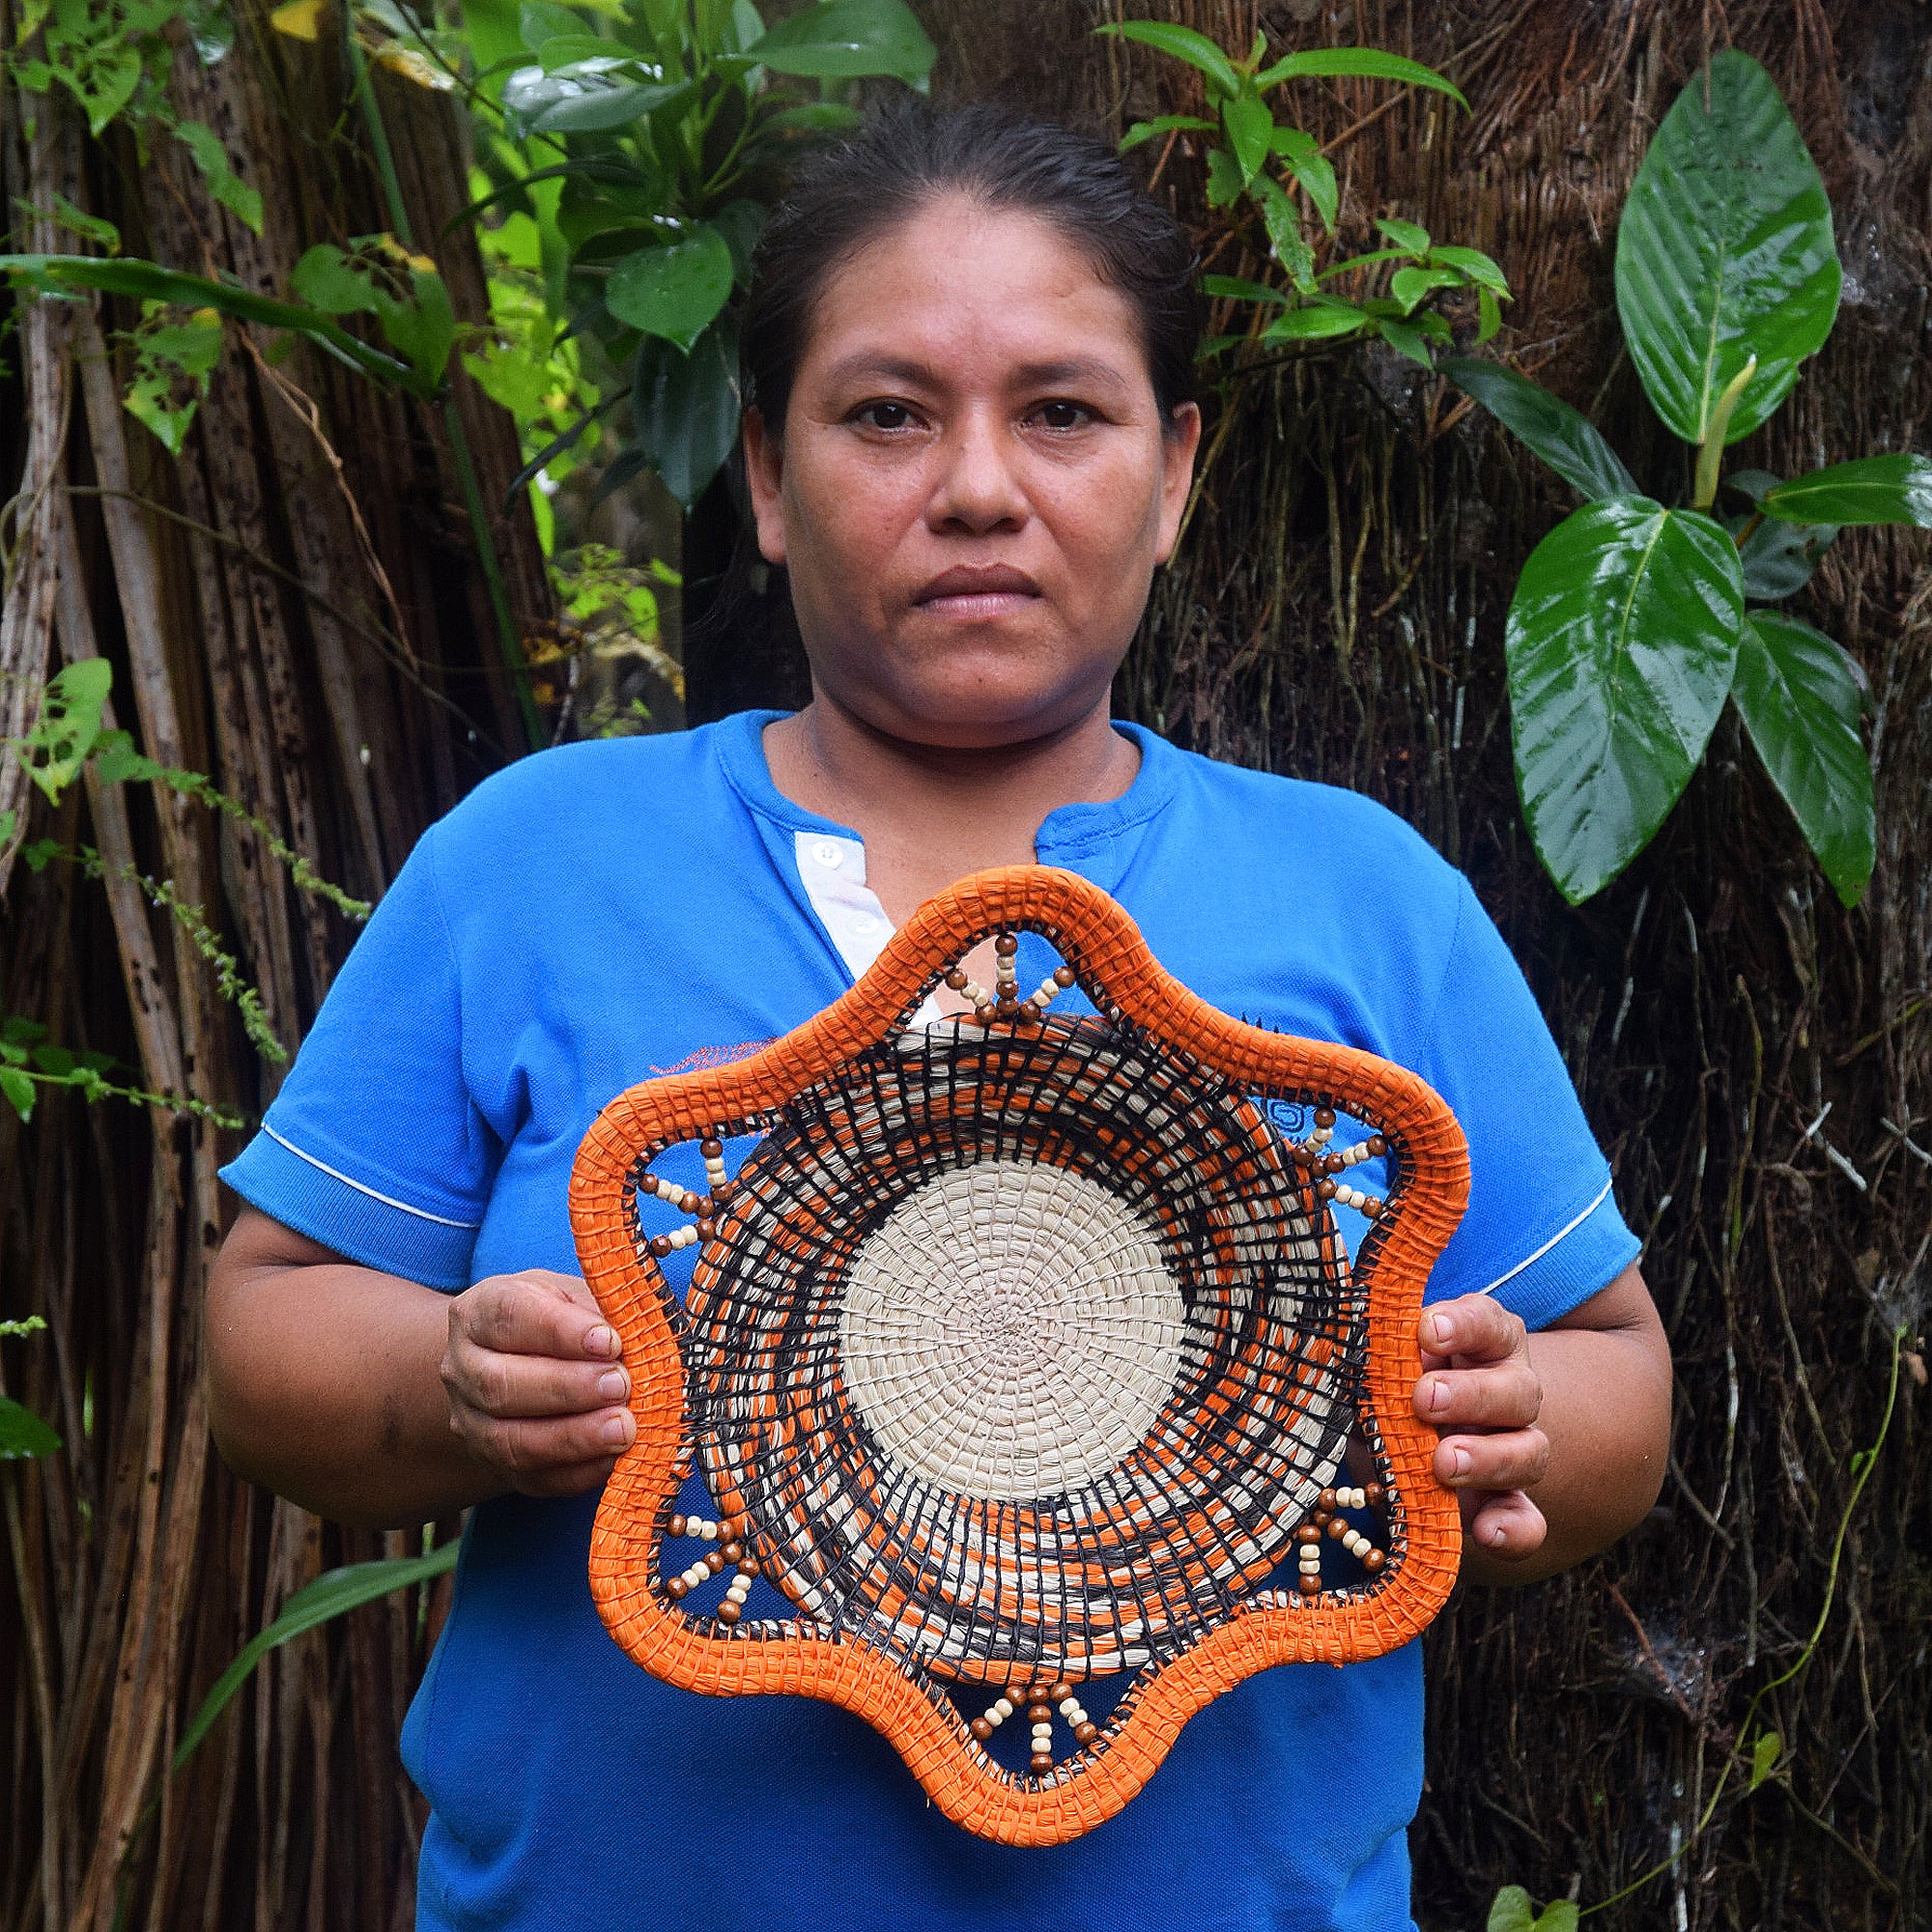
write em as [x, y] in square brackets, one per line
[1010, 1331]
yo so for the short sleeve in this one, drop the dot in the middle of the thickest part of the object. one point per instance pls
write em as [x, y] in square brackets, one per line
[1542, 1232]
[374, 1146]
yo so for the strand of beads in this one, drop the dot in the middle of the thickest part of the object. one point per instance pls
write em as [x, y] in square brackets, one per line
[1039, 1699]
[1312, 1154]
[705, 1206]
[727, 1536]
[1049, 989]
[1328, 1523]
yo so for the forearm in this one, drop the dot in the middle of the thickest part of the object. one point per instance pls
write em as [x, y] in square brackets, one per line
[324, 1388]
[1607, 1414]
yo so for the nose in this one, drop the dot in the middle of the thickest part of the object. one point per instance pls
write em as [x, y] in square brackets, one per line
[977, 489]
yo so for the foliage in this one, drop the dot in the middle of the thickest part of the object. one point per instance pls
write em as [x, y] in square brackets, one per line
[644, 148]
[1270, 176]
[23, 1435]
[1632, 623]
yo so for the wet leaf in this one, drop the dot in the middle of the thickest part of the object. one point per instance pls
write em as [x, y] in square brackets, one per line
[673, 289]
[1566, 440]
[22, 1433]
[1893, 489]
[849, 39]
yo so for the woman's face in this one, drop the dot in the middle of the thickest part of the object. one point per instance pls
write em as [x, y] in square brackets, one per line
[973, 488]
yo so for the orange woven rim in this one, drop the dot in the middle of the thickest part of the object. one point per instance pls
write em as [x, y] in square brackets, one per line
[1113, 964]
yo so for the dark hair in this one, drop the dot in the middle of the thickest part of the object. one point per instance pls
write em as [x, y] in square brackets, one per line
[908, 154]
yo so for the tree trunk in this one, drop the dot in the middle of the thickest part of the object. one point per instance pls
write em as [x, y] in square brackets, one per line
[1336, 610]
[294, 608]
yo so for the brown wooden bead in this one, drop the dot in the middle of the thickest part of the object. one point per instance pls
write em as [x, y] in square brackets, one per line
[675, 1526]
[728, 1613]
[1042, 1763]
[714, 1561]
[982, 1729]
[1377, 1146]
[957, 979]
[660, 1246]
[710, 1146]
[1061, 1692]
[1028, 1012]
[1310, 1585]
[722, 1192]
[676, 1589]
[1039, 1714]
[1375, 1493]
[1064, 976]
[1337, 1530]
[686, 1202]
[731, 1529]
[732, 1552]
[707, 1231]
[1371, 1208]
[1327, 1500]
[1324, 1190]
[1085, 1734]
[1006, 946]
[1324, 1117]
[706, 1206]
[1308, 1533]
[1019, 1692]
[749, 1566]
[1333, 1163]
[983, 1016]
[1373, 1560]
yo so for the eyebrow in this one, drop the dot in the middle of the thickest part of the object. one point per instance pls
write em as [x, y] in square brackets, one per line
[866, 363]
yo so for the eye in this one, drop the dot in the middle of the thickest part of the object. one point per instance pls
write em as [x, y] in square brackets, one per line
[1063, 415]
[883, 415]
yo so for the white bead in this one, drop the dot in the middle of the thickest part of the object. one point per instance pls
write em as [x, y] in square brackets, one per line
[1050, 989]
[1359, 1499]
[1002, 1710]
[1068, 1706]
[714, 1171]
[707, 1531]
[683, 1237]
[1042, 1734]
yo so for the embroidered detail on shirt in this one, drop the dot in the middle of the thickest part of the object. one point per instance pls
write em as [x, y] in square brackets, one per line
[715, 1056]
[1569, 1228]
[388, 1201]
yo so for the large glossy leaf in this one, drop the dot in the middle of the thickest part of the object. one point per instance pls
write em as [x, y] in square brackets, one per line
[1801, 699]
[1249, 126]
[1621, 638]
[332, 1593]
[1725, 253]
[585, 97]
[685, 409]
[849, 39]
[1184, 44]
[1569, 442]
[1359, 63]
[1779, 558]
[674, 289]
[1895, 489]
[22, 1433]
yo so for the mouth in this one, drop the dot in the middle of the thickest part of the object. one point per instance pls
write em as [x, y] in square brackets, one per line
[967, 593]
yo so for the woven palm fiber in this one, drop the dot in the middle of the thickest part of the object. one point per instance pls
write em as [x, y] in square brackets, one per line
[1018, 1351]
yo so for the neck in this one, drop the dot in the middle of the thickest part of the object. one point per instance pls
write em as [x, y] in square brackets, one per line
[930, 814]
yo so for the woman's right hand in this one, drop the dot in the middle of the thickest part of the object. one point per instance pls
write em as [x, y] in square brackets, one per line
[536, 1390]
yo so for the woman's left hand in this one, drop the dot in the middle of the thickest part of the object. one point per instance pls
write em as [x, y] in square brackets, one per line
[1480, 1390]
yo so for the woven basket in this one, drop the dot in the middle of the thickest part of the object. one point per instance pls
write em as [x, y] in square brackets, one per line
[1021, 1355]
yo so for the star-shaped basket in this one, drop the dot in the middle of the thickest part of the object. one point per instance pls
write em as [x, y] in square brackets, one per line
[1022, 1356]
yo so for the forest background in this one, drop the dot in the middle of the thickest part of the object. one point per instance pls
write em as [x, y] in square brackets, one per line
[335, 597]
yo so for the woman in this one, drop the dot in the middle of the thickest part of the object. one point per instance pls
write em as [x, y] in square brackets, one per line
[969, 445]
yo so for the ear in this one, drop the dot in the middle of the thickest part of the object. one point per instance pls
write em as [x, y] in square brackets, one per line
[764, 473]
[1177, 479]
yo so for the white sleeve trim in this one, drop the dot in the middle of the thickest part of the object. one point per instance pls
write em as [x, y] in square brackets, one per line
[388, 1201]
[1563, 1233]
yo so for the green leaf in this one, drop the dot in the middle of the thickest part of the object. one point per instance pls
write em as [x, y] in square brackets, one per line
[57, 744]
[1185, 44]
[20, 1089]
[1801, 699]
[228, 187]
[1475, 264]
[332, 1593]
[1895, 489]
[589, 97]
[1488, 317]
[685, 407]
[1408, 286]
[1317, 175]
[22, 1433]
[1224, 177]
[1408, 235]
[1779, 558]
[673, 290]
[1765, 1754]
[1560, 1914]
[538, 21]
[1249, 126]
[1621, 641]
[10, 820]
[1406, 338]
[1236, 287]
[1360, 63]
[849, 39]
[1568, 441]
[1319, 320]
[29, 1325]
[1164, 124]
[1283, 223]
[172, 364]
[1509, 1910]
[1725, 253]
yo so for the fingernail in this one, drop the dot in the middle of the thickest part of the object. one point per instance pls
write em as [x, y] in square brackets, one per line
[1499, 1536]
[613, 1384]
[1439, 1393]
[617, 1431]
[1458, 1462]
[1439, 1329]
[599, 1342]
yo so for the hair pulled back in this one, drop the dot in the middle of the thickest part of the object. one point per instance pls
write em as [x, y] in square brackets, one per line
[908, 154]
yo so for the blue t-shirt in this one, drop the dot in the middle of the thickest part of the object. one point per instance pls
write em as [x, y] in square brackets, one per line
[601, 914]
